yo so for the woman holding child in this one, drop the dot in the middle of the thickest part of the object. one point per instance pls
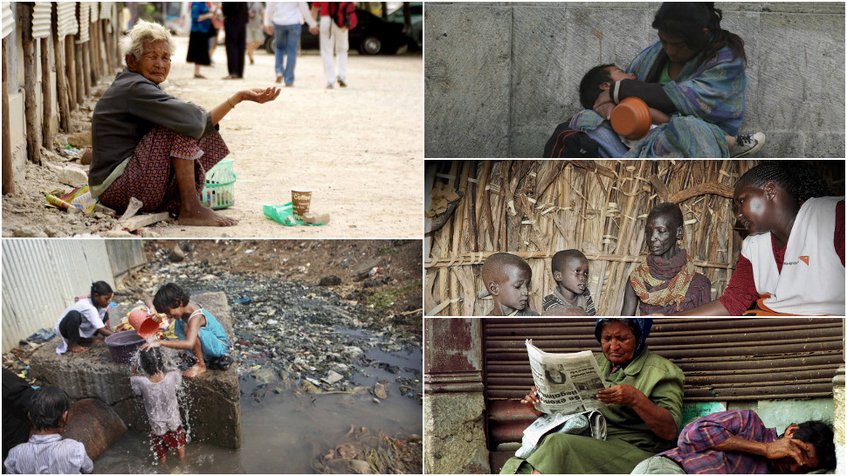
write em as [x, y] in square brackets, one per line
[694, 77]
[643, 412]
[152, 146]
[667, 282]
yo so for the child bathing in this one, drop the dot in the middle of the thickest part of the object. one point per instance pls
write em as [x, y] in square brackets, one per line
[158, 389]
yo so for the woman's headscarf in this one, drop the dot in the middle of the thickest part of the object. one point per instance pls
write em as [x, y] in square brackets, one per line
[640, 327]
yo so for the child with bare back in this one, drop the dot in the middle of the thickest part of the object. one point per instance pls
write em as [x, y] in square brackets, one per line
[506, 278]
[198, 330]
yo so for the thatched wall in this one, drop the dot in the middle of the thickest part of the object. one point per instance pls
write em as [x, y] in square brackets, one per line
[536, 208]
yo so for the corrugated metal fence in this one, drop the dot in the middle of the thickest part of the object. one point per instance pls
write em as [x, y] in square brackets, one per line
[41, 278]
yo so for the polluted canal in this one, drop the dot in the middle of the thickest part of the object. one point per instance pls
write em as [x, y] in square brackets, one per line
[328, 348]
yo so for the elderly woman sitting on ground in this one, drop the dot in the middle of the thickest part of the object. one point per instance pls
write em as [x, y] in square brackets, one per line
[152, 146]
[643, 412]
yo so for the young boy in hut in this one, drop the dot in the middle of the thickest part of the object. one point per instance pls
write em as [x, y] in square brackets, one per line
[603, 78]
[506, 277]
[571, 296]
[666, 282]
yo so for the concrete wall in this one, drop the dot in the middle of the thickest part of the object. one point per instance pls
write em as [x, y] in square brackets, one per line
[500, 76]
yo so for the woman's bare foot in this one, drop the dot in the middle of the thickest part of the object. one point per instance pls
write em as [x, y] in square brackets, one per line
[194, 371]
[202, 216]
[76, 348]
[163, 460]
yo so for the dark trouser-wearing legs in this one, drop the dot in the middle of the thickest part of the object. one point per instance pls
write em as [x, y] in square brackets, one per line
[69, 327]
[236, 46]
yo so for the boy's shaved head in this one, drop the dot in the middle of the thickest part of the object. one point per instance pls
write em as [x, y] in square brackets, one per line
[494, 268]
[561, 258]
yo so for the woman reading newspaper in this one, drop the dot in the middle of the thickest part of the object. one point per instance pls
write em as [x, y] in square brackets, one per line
[643, 412]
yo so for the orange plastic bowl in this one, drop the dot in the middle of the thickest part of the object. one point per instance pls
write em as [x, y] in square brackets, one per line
[631, 118]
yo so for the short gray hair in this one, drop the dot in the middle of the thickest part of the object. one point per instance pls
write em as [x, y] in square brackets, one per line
[133, 42]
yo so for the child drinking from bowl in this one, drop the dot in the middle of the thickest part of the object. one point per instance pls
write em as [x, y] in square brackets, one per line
[158, 389]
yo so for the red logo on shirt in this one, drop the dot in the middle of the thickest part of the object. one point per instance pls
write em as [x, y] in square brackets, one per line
[805, 259]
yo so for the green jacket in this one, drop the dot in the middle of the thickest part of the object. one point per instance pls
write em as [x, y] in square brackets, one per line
[656, 377]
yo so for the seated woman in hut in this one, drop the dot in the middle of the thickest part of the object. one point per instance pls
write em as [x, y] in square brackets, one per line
[152, 146]
[793, 261]
[643, 412]
[667, 282]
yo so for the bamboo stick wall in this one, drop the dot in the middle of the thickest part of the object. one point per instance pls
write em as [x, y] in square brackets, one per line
[536, 208]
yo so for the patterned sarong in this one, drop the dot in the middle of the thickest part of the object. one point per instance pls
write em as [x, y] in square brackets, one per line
[149, 175]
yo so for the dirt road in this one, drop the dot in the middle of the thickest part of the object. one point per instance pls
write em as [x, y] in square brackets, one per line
[359, 149]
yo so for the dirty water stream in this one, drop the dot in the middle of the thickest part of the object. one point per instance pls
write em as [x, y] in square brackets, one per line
[288, 432]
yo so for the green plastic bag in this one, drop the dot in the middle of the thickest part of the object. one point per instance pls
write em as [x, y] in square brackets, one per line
[284, 214]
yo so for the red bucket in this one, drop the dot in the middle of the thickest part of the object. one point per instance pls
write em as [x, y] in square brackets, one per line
[143, 323]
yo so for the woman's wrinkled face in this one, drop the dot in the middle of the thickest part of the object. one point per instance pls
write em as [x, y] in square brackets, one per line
[618, 342]
[155, 62]
[661, 234]
[753, 207]
[675, 48]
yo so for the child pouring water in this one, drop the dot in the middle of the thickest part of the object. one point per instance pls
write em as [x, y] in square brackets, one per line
[159, 388]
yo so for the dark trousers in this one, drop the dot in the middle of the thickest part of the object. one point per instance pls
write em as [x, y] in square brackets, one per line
[69, 327]
[236, 46]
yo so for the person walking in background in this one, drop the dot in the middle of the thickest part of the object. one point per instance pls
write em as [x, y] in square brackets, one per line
[334, 40]
[284, 20]
[255, 36]
[236, 15]
[217, 24]
[198, 40]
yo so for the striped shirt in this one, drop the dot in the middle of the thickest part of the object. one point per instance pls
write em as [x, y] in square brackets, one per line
[695, 454]
[48, 454]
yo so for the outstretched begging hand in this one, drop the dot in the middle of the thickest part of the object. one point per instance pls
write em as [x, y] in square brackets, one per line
[259, 95]
[622, 394]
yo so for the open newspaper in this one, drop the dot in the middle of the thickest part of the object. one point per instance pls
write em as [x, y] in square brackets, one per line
[567, 386]
[566, 383]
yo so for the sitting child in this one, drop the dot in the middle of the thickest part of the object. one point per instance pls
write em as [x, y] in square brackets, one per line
[197, 328]
[85, 319]
[46, 451]
[506, 278]
[159, 392]
[571, 296]
[603, 77]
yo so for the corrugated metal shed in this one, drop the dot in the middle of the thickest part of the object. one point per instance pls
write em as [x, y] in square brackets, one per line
[108, 11]
[66, 17]
[8, 19]
[94, 12]
[41, 278]
[732, 359]
[125, 255]
[83, 19]
[41, 21]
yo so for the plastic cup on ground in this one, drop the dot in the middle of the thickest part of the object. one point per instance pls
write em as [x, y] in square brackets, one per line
[301, 199]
